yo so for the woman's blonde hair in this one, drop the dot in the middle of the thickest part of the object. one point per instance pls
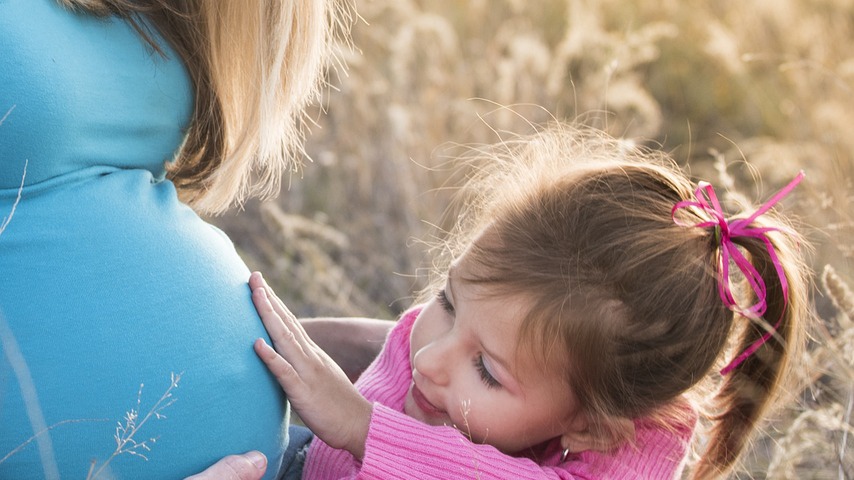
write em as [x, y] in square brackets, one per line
[580, 225]
[255, 66]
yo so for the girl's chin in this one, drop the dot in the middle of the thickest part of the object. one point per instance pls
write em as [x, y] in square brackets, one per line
[411, 409]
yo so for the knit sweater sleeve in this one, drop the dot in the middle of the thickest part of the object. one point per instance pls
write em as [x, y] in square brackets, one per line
[385, 381]
[401, 447]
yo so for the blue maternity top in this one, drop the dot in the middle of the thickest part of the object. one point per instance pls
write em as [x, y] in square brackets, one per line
[107, 281]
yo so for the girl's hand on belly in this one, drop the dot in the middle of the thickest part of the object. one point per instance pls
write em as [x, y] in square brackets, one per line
[317, 387]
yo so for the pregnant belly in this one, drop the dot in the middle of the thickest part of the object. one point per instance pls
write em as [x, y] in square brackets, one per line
[110, 289]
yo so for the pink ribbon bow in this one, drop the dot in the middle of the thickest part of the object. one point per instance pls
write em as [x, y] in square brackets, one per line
[726, 230]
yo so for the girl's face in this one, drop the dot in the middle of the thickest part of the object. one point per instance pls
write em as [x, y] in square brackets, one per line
[467, 372]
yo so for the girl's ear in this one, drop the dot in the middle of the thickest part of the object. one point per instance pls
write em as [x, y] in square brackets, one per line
[603, 437]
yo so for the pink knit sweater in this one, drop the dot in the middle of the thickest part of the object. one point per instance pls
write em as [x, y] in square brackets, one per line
[400, 447]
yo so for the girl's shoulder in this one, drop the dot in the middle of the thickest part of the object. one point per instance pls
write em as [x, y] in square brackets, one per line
[408, 317]
[658, 451]
[404, 324]
[664, 438]
[393, 360]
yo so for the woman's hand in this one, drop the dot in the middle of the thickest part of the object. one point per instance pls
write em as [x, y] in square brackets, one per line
[317, 388]
[249, 466]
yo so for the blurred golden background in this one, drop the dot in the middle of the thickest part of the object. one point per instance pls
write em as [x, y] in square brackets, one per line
[742, 93]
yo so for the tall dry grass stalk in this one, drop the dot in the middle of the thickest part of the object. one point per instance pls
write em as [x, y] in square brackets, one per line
[821, 436]
[128, 437]
[736, 91]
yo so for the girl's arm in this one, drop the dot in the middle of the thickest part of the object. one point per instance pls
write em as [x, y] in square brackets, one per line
[352, 342]
[399, 446]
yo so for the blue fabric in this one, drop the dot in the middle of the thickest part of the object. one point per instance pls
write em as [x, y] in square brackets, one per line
[107, 281]
[293, 461]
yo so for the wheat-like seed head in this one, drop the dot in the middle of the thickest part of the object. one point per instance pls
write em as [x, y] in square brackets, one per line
[840, 294]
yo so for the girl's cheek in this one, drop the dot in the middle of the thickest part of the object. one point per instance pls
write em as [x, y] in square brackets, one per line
[416, 336]
[424, 330]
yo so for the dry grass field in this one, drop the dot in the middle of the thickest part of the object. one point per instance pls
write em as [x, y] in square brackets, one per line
[743, 94]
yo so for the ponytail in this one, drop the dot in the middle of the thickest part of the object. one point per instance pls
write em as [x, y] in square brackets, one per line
[752, 387]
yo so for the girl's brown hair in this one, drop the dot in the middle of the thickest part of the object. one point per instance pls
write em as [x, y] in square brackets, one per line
[255, 65]
[580, 225]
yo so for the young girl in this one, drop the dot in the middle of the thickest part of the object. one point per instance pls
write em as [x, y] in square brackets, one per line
[589, 291]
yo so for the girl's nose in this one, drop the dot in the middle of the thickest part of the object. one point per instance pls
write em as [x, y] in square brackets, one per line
[432, 362]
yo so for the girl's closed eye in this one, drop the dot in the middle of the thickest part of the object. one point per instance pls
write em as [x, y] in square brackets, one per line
[485, 375]
[442, 297]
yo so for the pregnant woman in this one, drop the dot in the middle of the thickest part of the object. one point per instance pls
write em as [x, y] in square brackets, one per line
[125, 319]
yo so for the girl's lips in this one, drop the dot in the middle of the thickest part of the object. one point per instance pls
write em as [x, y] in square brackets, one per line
[424, 404]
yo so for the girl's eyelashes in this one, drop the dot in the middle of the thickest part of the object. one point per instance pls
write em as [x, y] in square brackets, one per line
[487, 377]
[442, 297]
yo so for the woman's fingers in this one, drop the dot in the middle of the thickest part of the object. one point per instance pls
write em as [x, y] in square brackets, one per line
[249, 466]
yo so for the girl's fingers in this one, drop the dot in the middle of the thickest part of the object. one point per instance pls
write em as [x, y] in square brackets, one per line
[279, 329]
[278, 304]
[284, 372]
[287, 317]
[256, 282]
[288, 336]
